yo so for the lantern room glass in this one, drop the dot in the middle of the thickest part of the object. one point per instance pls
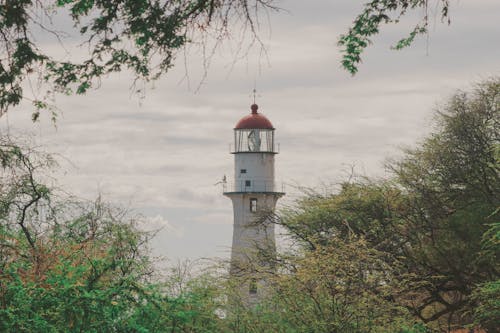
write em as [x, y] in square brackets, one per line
[254, 140]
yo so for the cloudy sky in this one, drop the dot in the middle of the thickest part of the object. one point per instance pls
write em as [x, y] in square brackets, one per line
[161, 154]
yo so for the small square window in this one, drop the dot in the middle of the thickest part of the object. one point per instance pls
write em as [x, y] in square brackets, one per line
[243, 171]
[253, 205]
[252, 288]
[248, 183]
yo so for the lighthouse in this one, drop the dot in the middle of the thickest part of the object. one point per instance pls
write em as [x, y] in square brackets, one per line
[254, 193]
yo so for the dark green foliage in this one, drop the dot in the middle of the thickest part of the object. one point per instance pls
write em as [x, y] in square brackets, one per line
[487, 295]
[142, 36]
[433, 225]
[67, 266]
[64, 266]
[376, 13]
[487, 313]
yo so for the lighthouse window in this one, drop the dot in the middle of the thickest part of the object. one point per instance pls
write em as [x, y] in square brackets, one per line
[253, 205]
[253, 287]
[243, 171]
[248, 183]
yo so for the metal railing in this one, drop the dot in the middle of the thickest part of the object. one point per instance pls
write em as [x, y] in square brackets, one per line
[252, 186]
[275, 149]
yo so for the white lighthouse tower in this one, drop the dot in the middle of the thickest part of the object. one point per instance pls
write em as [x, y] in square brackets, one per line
[254, 194]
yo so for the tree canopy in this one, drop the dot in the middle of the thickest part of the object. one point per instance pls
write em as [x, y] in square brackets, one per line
[432, 227]
[73, 266]
[145, 36]
[141, 36]
[378, 12]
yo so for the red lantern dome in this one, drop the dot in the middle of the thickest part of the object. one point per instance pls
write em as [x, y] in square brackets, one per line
[254, 120]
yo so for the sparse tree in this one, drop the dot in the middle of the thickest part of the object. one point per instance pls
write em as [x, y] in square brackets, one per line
[145, 37]
[428, 222]
[71, 266]
[378, 12]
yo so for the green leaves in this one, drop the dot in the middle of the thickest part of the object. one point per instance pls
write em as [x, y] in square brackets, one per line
[426, 239]
[368, 24]
[138, 35]
[487, 312]
[69, 266]
[405, 42]
[82, 88]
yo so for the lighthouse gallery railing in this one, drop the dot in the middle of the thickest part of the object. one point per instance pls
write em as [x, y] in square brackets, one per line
[253, 186]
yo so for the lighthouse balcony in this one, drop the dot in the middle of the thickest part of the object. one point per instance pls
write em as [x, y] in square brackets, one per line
[253, 186]
[272, 149]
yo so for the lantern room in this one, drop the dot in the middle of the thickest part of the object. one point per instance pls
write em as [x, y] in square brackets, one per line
[254, 133]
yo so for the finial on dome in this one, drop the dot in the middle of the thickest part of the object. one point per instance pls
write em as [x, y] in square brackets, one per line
[254, 108]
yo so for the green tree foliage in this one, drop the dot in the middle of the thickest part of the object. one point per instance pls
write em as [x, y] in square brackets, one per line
[337, 288]
[487, 313]
[67, 266]
[377, 12]
[61, 264]
[453, 188]
[433, 225]
[145, 36]
[142, 36]
[487, 295]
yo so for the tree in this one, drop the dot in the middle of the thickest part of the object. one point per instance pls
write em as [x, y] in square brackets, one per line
[142, 36]
[487, 295]
[339, 287]
[432, 223]
[71, 266]
[145, 36]
[64, 266]
[378, 12]
[452, 185]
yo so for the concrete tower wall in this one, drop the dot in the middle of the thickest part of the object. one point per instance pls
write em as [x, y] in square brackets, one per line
[257, 168]
[253, 231]
[253, 245]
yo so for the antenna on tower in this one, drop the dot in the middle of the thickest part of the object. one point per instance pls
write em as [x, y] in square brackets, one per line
[254, 89]
[254, 94]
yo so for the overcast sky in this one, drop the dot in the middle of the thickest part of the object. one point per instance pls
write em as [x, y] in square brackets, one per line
[162, 154]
